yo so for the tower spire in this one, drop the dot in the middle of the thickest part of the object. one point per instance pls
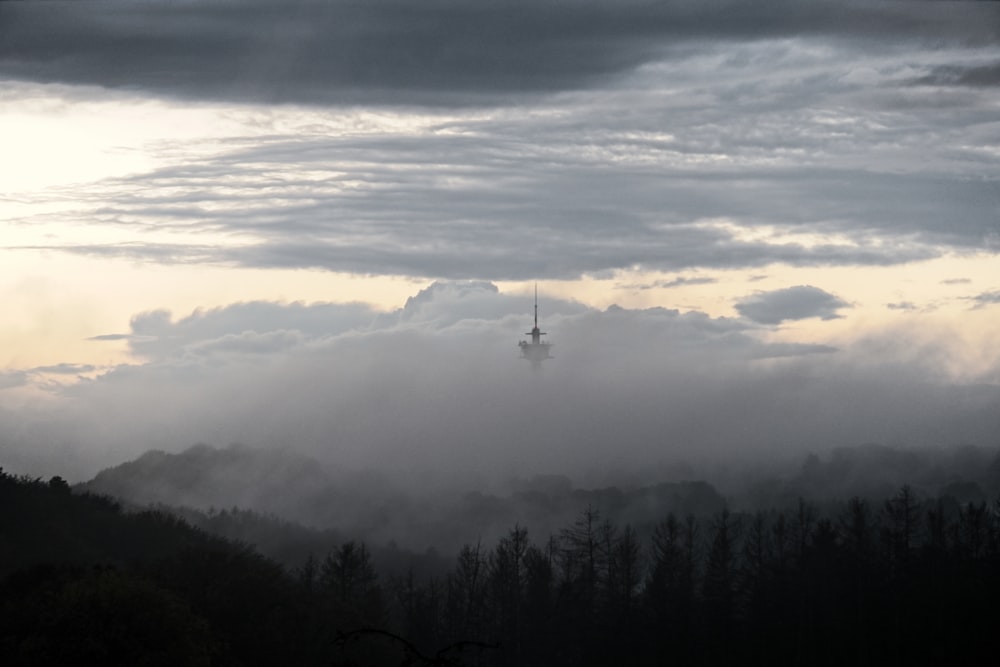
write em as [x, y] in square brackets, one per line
[536, 350]
[536, 304]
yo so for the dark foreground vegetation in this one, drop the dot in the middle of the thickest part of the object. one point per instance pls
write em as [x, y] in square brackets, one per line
[907, 579]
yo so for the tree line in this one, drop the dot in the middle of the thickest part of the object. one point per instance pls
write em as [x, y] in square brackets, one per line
[902, 580]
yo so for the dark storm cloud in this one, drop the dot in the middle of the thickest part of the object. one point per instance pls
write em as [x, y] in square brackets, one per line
[978, 75]
[793, 303]
[685, 126]
[429, 52]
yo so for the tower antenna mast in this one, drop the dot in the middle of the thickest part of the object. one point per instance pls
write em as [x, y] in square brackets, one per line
[536, 351]
[536, 304]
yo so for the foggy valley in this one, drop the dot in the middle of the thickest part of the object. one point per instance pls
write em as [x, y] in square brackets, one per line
[454, 332]
[410, 489]
[386, 426]
[368, 506]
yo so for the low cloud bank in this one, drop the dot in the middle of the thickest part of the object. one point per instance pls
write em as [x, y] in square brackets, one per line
[436, 394]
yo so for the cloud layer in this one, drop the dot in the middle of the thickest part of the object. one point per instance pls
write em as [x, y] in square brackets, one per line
[436, 393]
[511, 140]
[437, 52]
[539, 139]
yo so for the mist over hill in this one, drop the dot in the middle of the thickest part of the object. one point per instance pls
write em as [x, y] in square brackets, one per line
[367, 505]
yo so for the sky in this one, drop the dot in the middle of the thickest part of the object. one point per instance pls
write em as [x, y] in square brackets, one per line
[755, 230]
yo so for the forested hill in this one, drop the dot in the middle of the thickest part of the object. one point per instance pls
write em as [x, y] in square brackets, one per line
[368, 506]
[904, 580]
[45, 522]
[82, 582]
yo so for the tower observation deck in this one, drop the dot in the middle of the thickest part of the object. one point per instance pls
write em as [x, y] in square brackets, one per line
[536, 351]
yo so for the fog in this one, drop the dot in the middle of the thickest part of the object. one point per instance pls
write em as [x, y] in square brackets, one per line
[435, 396]
[786, 431]
[657, 143]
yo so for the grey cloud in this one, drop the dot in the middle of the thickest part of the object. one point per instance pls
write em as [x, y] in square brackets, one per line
[788, 139]
[164, 253]
[564, 257]
[679, 281]
[687, 128]
[314, 52]
[762, 134]
[974, 75]
[65, 369]
[263, 328]
[793, 303]
[247, 343]
[682, 280]
[12, 379]
[433, 53]
[956, 281]
[447, 303]
[580, 219]
[156, 335]
[120, 337]
[902, 305]
[777, 350]
[506, 258]
[542, 179]
[439, 380]
[987, 298]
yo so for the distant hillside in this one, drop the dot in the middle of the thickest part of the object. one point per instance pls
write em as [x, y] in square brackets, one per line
[286, 486]
[205, 477]
[366, 506]
[275, 483]
[967, 473]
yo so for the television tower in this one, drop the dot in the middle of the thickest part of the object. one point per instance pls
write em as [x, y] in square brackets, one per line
[536, 351]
